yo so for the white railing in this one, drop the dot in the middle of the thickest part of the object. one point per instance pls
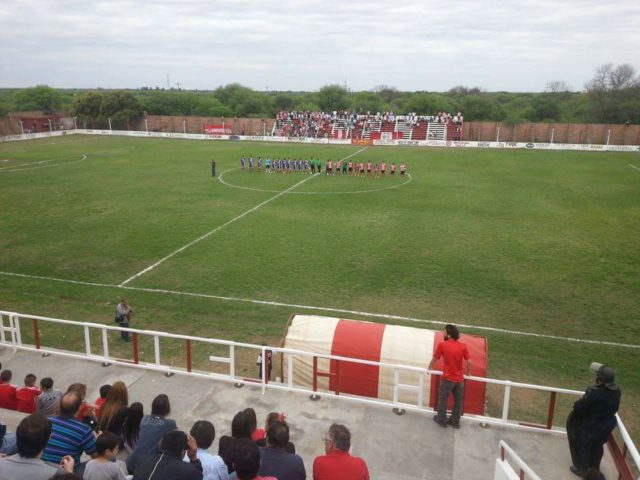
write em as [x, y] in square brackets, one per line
[14, 330]
[504, 469]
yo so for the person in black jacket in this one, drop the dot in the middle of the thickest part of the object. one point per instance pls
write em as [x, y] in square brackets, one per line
[168, 463]
[592, 419]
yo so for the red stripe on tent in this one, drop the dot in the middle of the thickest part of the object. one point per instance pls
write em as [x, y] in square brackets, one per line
[362, 340]
[474, 392]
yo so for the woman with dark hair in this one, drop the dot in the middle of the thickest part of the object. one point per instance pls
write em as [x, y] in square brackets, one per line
[240, 428]
[273, 417]
[113, 412]
[131, 428]
[152, 429]
[256, 433]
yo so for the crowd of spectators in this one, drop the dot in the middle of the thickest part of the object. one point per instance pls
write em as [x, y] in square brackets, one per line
[319, 124]
[64, 430]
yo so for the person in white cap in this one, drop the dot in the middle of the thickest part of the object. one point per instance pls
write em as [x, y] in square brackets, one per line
[592, 419]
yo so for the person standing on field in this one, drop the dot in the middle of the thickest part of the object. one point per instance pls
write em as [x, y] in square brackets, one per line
[213, 168]
[123, 316]
[452, 382]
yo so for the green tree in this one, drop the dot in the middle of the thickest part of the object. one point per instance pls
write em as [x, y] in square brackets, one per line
[40, 97]
[614, 92]
[121, 107]
[363, 102]
[284, 101]
[428, 103]
[545, 107]
[332, 97]
[480, 107]
[87, 107]
[210, 106]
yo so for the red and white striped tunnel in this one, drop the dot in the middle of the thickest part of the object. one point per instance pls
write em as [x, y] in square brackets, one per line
[377, 342]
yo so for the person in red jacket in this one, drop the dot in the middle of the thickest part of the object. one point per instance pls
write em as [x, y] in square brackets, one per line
[452, 381]
[338, 462]
[7, 391]
[28, 394]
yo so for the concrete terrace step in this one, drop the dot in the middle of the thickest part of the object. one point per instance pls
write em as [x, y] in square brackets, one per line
[409, 446]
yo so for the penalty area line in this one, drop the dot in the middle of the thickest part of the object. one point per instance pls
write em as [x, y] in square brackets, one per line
[384, 316]
[633, 166]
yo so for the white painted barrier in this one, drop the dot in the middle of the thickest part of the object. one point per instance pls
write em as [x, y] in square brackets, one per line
[506, 471]
[332, 141]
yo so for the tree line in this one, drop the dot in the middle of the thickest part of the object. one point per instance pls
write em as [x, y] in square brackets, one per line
[611, 96]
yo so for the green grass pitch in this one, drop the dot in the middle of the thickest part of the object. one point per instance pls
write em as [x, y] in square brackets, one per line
[531, 241]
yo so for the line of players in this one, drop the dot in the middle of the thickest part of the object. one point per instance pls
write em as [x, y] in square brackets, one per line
[339, 167]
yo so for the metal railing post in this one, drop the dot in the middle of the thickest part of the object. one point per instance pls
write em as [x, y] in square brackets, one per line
[136, 351]
[36, 333]
[396, 381]
[87, 341]
[232, 361]
[188, 355]
[156, 349]
[263, 367]
[290, 370]
[552, 406]
[105, 344]
[506, 401]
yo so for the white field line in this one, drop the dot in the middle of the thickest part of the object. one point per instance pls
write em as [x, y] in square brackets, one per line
[329, 309]
[220, 227]
[84, 157]
[633, 166]
[183, 248]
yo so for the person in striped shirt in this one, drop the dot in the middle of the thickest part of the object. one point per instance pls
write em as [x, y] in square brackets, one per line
[69, 436]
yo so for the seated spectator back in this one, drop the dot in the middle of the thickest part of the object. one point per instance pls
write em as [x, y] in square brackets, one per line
[7, 391]
[338, 463]
[246, 461]
[275, 459]
[213, 467]
[32, 436]
[69, 436]
[48, 400]
[28, 394]
[168, 464]
[152, 428]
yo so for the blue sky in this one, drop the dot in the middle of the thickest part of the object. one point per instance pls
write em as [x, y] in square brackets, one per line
[303, 45]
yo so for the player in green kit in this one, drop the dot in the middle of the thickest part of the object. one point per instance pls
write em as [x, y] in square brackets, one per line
[319, 166]
[344, 167]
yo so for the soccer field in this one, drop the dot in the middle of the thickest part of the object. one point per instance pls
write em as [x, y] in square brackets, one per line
[505, 243]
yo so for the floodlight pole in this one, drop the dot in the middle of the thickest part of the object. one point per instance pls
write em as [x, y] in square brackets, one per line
[109, 123]
[50, 128]
[146, 125]
[21, 126]
[184, 126]
[553, 132]
[608, 136]
[75, 125]
[498, 135]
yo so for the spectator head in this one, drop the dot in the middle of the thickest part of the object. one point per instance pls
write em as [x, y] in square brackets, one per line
[174, 444]
[79, 388]
[65, 476]
[32, 435]
[107, 444]
[204, 433]
[452, 331]
[5, 376]
[246, 459]
[160, 406]
[253, 420]
[278, 434]
[131, 428]
[70, 404]
[241, 426]
[104, 391]
[118, 394]
[30, 380]
[46, 383]
[272, 417]
[339, 437]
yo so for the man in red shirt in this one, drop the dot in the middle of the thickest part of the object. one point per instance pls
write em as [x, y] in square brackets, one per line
[28, 394]
[338, 463]
[7, 391]
[453, 353]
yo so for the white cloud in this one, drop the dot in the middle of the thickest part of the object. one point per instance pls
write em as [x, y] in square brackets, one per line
[303, 44]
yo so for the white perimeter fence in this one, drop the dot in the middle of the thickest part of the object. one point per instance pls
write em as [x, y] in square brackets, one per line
[96, 347]
[259, 138]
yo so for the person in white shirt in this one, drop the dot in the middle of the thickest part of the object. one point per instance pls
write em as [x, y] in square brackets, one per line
[213, 467]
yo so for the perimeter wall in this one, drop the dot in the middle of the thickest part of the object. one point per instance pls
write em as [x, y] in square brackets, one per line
[573, 133]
